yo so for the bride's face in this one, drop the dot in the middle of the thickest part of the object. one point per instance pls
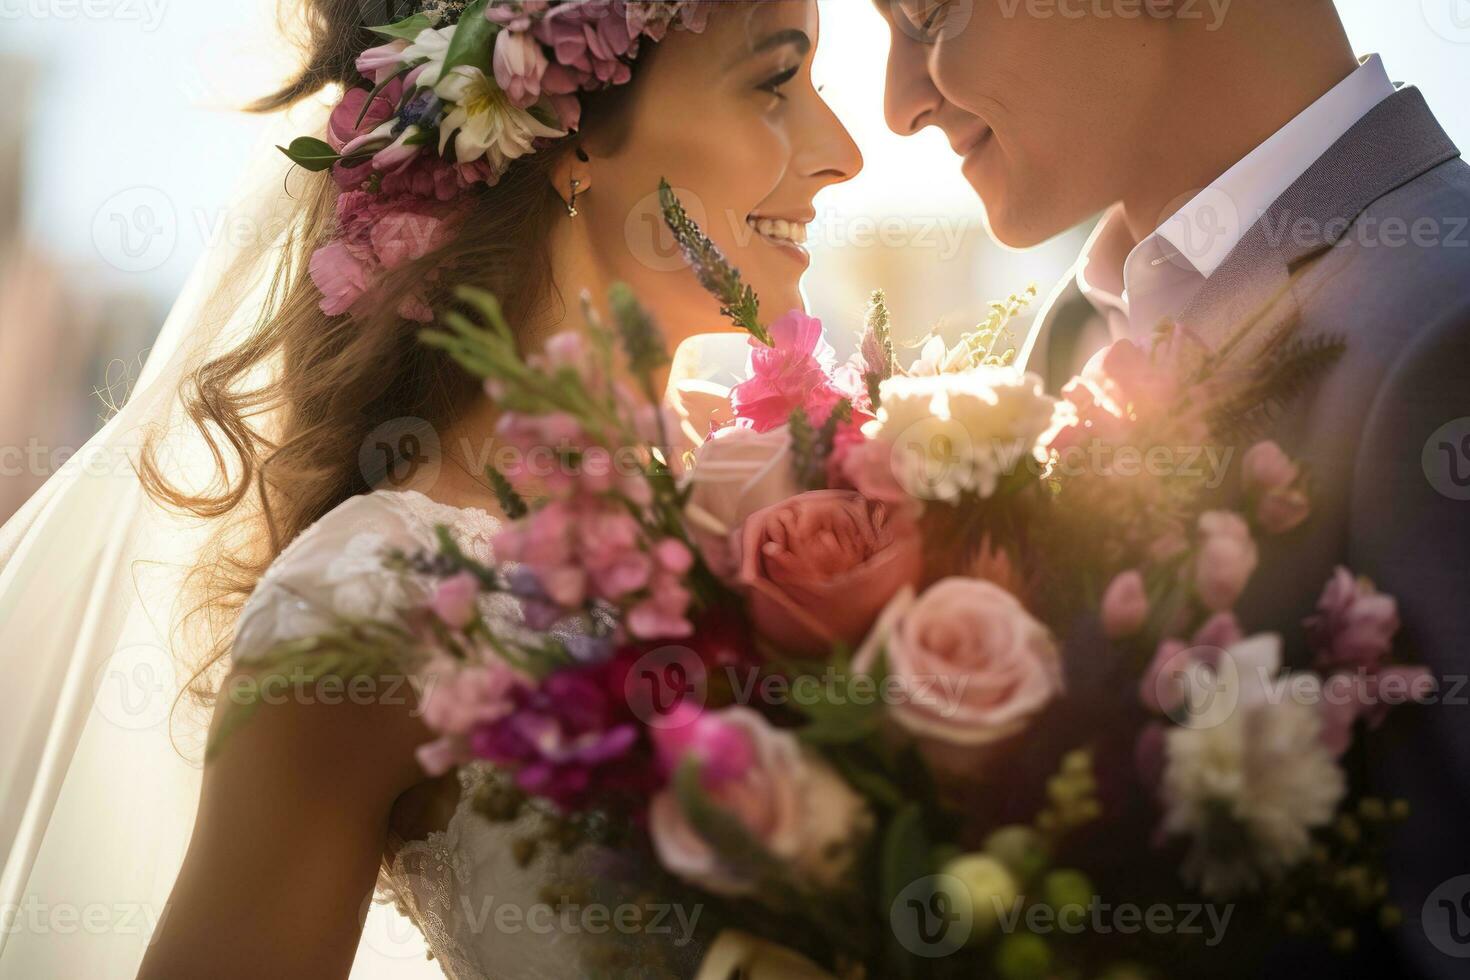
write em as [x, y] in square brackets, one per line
[731, 118]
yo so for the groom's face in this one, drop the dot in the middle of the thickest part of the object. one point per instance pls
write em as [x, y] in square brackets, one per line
[1047, 111]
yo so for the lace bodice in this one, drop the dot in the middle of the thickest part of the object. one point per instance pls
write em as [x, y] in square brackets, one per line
[485, 913]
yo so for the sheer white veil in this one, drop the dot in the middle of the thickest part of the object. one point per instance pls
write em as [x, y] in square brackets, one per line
[99, 772]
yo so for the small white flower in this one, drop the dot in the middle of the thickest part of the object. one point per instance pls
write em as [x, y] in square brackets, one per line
[1250, 778]
[483, 122]
[434, 45]
[959, 432]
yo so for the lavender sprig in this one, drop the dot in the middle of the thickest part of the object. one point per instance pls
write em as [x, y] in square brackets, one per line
[737, 300]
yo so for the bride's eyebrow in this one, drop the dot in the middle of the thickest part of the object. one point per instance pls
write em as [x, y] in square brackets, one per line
[795, 37]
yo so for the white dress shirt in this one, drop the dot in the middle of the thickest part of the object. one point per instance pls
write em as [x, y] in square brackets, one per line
[1135, 287]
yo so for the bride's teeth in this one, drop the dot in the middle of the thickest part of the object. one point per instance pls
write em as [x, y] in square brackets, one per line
[780, 229]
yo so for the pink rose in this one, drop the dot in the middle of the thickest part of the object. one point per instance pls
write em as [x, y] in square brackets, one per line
[986, 664]
[736, 472]
[1124, 606]
[820, 567]
[1226, 559]
[786, 798]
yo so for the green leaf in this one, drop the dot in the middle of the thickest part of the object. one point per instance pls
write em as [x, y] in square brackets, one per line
[905, 860]
[310, 153]
[407, 29]
[471, 45]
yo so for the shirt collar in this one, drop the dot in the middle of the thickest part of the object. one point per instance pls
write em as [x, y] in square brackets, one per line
[1199, 236]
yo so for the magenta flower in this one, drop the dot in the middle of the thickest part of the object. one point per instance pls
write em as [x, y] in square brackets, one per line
[795, 372]
[724, 751]
[571, 741]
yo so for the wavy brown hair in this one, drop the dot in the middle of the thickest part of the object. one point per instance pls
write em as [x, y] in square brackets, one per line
[284, 411]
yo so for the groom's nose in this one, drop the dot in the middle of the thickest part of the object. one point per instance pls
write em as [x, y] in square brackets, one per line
[910, 99]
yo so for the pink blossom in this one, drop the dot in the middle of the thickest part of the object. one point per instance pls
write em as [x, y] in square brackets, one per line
[1273, 481]
[520, 64]
[454, 600]
[375, 232]
[1265, 467]
[1225, 561]
[795, 372]
[382, 61]
[1354, 625]
[1124, 605]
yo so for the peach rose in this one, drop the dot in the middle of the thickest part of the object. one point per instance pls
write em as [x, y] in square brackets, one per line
[789, 801]
[820, 567]
[987, 666]
[736, 472]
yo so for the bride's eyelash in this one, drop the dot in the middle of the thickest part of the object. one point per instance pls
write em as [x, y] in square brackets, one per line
[775, 82]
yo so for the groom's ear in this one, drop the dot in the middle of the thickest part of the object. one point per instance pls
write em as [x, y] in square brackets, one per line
[572, 173]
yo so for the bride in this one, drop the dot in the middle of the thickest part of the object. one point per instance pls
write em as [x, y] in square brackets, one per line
[333, 435]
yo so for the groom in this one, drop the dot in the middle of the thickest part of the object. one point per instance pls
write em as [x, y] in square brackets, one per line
[1246, 163]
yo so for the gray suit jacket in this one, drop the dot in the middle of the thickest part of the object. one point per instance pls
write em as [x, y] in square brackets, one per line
[1372, 244]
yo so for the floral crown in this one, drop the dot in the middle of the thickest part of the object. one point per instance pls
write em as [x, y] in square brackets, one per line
[457, 94]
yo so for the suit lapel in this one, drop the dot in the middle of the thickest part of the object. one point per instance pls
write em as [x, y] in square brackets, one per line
[1394, 143]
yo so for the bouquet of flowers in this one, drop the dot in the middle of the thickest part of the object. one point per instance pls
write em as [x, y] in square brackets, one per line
[908, 670]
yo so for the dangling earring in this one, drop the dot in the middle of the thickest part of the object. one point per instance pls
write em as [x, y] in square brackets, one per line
[572, 211]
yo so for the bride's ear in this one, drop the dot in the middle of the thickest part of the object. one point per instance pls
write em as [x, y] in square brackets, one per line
[572, 177]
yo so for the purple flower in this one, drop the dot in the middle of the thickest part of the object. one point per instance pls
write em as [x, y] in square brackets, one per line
[591, 39]
[569, 741]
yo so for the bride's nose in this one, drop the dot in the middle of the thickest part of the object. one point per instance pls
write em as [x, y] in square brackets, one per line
[824, 148]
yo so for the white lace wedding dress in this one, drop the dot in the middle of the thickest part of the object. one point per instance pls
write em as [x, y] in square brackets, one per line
[482, 914]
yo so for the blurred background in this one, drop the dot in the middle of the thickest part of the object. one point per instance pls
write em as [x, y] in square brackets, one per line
[121, 148]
